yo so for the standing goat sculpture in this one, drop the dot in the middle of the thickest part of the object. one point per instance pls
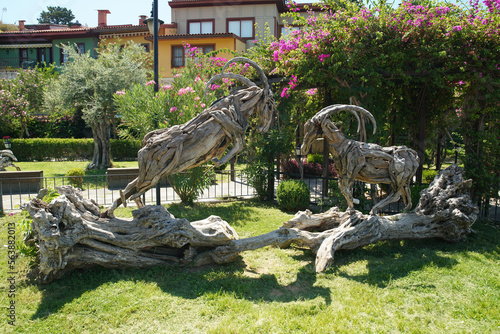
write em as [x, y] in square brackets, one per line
[203, 138]
[355, 160]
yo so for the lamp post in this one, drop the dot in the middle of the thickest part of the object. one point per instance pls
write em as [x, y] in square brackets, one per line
[298, 153]
[154, 26]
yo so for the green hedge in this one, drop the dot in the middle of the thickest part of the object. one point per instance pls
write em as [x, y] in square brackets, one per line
[42, 149]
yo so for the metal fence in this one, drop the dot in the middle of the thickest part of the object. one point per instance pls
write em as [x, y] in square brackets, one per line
[227, 184]
[325, 192]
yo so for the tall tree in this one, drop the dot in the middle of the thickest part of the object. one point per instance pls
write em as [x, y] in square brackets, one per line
[56, 15]
[89, 85]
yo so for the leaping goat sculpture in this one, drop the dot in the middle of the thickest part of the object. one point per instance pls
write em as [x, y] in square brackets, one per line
[205, 137]
[355, 160]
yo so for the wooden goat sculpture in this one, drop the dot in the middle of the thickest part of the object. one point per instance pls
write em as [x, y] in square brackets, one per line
[205, 137]
[362, 161]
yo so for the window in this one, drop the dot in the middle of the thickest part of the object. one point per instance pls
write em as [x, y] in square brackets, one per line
[23, 56]
[145, 46]
[201, 27]
[80, 48]
[241, 27]
[177, 56]
[63, 55]
[40, 56]
[286, 31]
[178, 53]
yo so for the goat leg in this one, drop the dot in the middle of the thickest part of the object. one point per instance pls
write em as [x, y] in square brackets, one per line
[393, 196]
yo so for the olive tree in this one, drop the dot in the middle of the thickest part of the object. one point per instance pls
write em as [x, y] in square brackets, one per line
[89, 84]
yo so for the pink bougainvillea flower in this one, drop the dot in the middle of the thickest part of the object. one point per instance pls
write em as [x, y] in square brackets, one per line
[322, 57]
[120, 92]
[312, 91]
[173, 109]
[285, 93]
[151, 82]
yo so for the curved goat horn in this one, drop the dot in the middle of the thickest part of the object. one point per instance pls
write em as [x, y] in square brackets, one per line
[327, 111]
[238, 77]
[259, 70]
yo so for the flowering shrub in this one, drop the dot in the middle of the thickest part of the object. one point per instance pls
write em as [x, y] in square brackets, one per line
[309, 168]
[141, 110]
[23, 96]
[410, 66]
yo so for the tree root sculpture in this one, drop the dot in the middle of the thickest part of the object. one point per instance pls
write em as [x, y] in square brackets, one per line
[71, 235]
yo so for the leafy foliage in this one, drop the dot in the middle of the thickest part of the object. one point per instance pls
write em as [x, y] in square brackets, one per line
[309, 169]
[424, 67]
[89, 85]
[191, 184]
[27, 245]
[293, 195]
[8, 27]
[75, 176]
[56, 15]
[257, 174]
[22, 97]
[42, 149]
[141, 110]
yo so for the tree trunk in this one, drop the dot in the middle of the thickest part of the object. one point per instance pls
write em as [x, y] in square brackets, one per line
[102, 145]
[71, 235]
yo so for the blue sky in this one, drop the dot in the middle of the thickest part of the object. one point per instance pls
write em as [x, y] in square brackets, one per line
[85, 11]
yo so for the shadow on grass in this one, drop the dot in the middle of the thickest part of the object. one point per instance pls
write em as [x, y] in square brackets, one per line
[185, 282]
[386, 261]
[391, 260]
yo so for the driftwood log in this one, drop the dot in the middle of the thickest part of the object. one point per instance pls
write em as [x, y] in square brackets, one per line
[70, 234]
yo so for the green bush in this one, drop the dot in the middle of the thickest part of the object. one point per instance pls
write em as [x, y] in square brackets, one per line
[125, 149]
[315, 158]
[415, 193]
[293, 195]
[75, 176]
[428, 175]
[257, 174]
[335, 196]
[190, 184]
[43, 149]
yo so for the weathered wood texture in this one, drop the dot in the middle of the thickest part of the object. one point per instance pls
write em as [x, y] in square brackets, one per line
[71, 235]
[366, 162]
[6, 158]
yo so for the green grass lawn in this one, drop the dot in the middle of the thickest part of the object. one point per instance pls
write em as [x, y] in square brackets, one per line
[429, 286]
[60, 168]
